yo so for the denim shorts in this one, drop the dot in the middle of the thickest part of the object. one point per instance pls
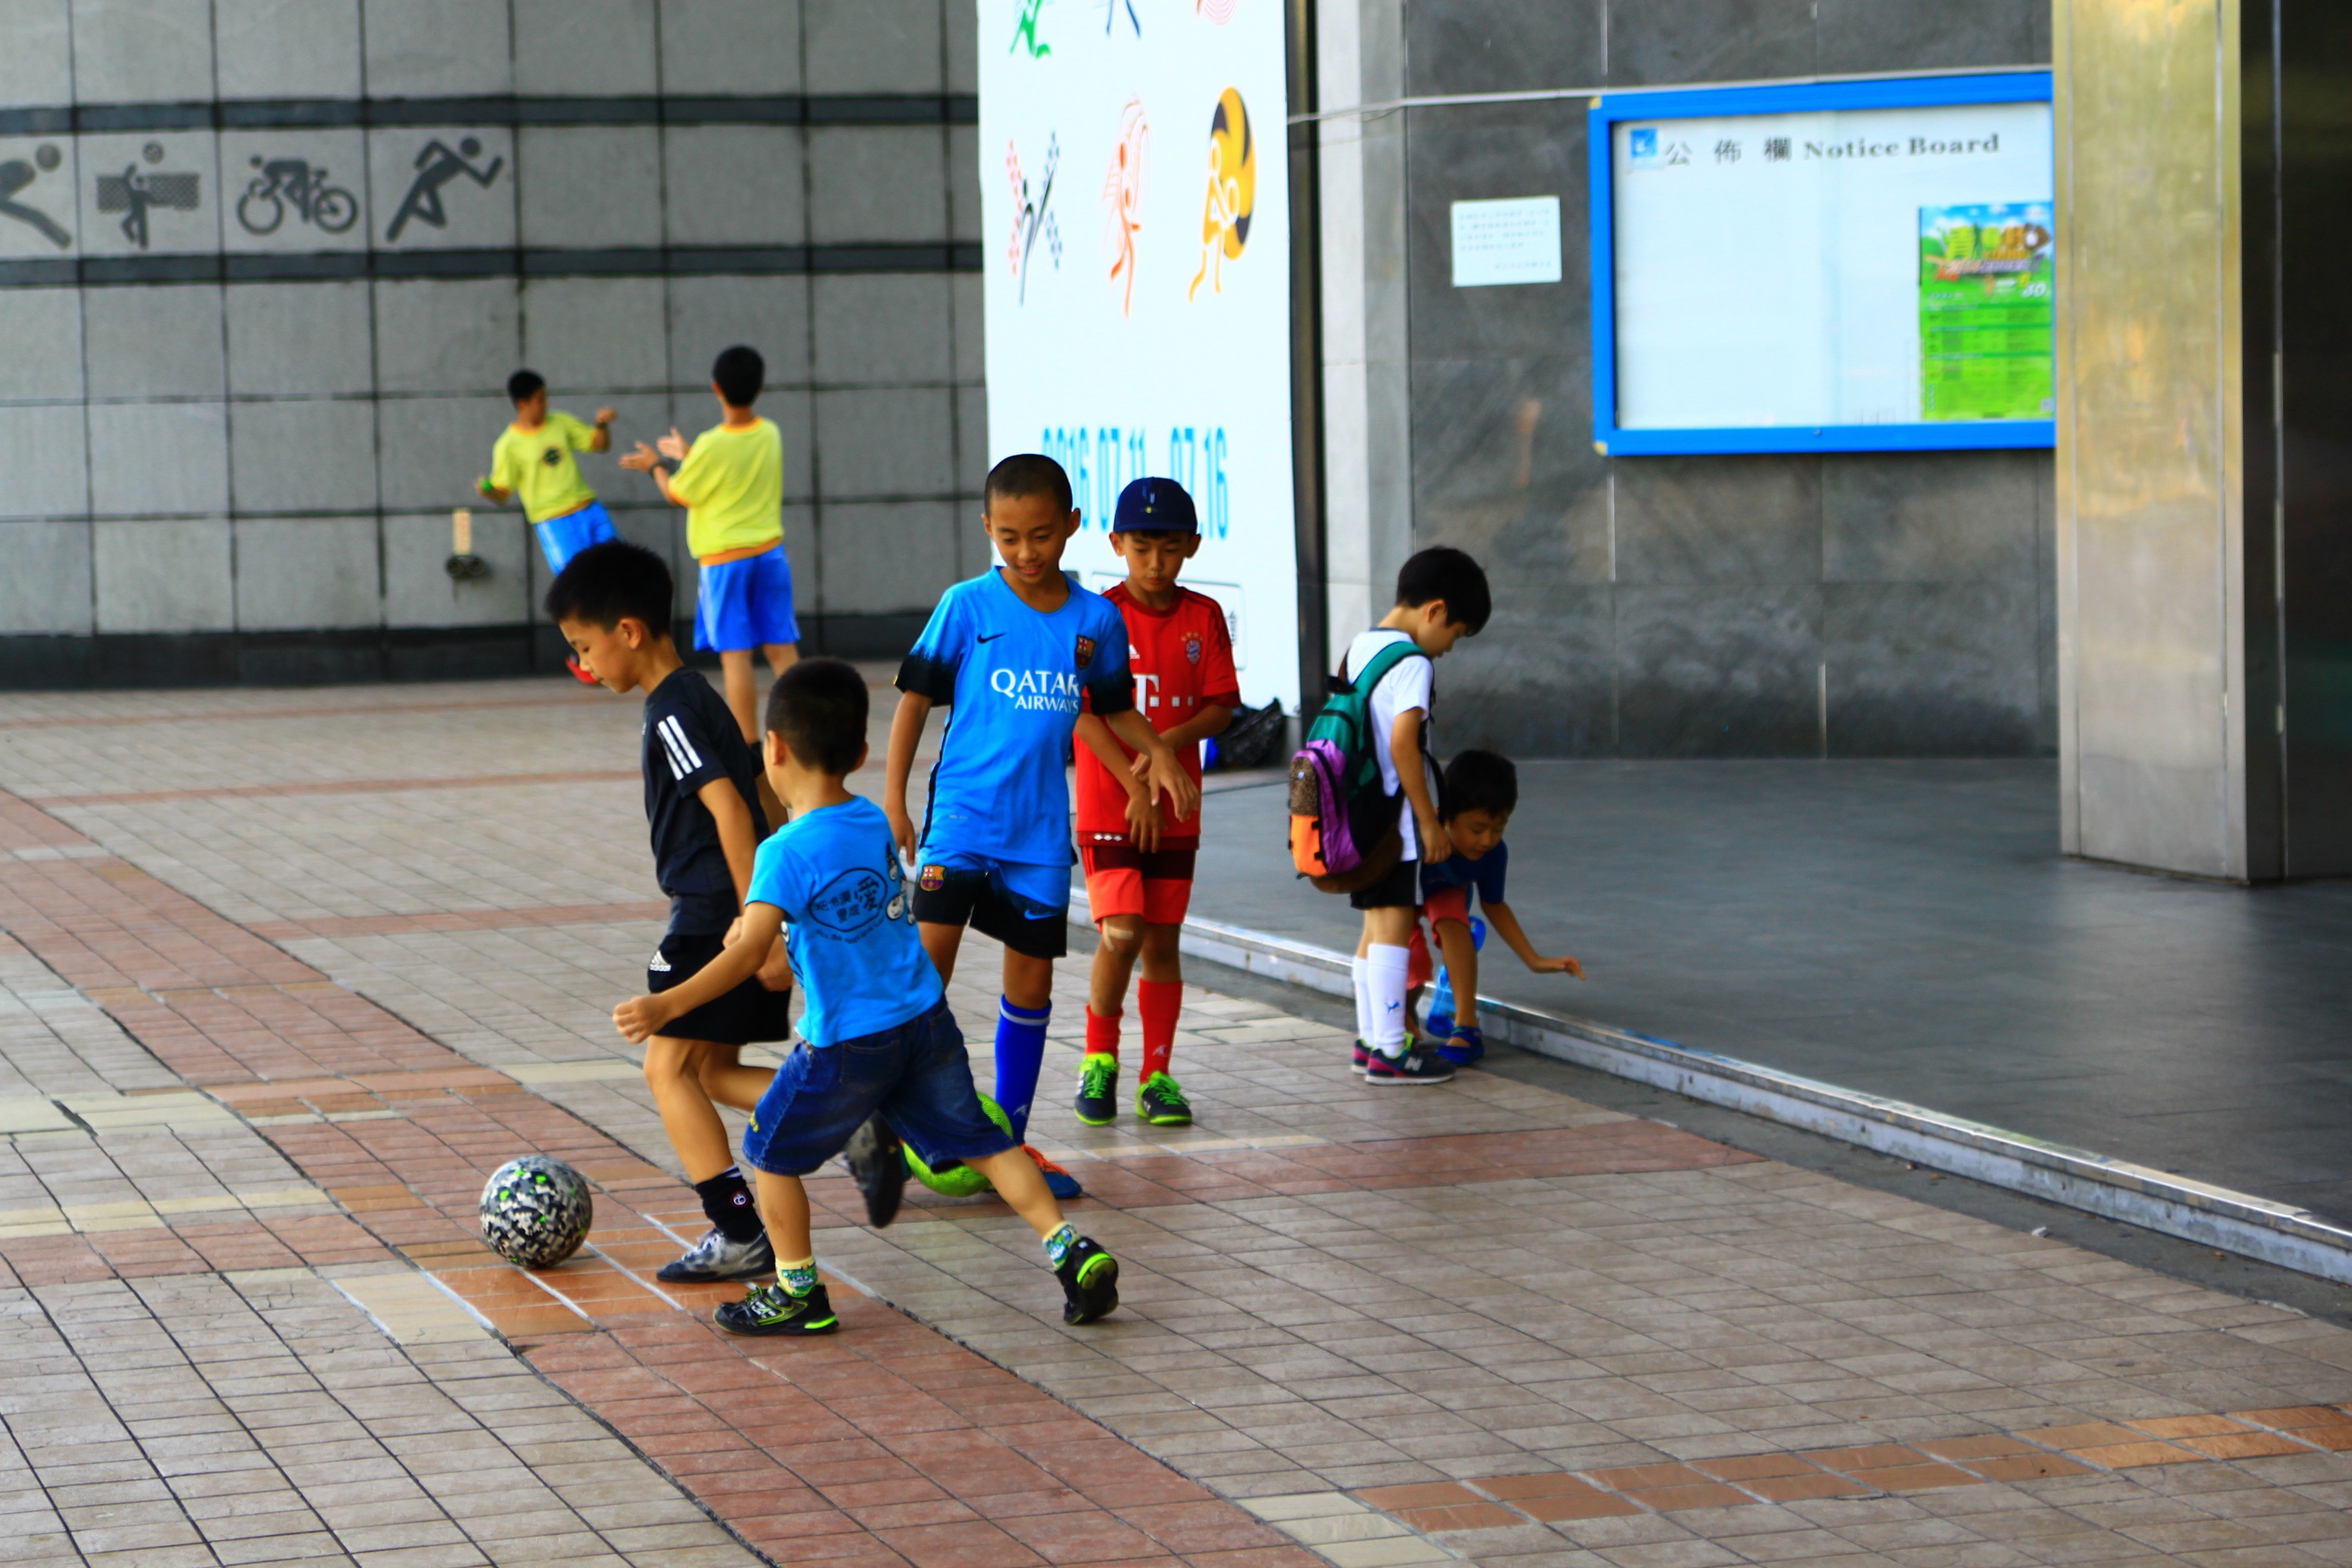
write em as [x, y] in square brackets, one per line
[746, 603]
[915, 1075]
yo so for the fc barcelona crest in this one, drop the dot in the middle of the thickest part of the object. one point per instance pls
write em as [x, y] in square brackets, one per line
[934, 877]
[1086, 652]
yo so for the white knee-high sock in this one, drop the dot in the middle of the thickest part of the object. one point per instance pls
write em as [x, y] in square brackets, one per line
[1388, 968]
[1360, 971]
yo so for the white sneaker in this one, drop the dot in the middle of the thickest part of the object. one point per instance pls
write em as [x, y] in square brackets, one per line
[716, 1258]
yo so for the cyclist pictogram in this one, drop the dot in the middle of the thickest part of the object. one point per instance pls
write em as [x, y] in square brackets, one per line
[297, 183]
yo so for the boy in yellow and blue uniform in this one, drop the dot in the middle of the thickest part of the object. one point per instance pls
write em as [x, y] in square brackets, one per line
[730, 481]
[1009, 652]
[533, 459]
[880, 1055]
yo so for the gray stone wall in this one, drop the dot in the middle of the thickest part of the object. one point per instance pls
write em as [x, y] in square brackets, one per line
[1895, 604]
[233, 424]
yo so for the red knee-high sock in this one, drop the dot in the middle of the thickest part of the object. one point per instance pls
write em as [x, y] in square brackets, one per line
[1102, 1033]
[1158, 1001]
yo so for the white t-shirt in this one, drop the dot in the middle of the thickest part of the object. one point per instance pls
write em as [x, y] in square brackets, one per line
[1404, 688]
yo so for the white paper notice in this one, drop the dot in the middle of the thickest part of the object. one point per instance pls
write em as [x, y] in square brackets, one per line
[1514, 241]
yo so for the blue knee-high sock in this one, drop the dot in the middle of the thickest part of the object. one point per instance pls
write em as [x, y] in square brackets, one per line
[1020, 1054]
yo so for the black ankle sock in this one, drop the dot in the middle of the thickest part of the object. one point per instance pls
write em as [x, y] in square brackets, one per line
[726, 1199]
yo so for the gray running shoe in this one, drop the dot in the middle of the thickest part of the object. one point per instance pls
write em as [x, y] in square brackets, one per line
[716, 1258]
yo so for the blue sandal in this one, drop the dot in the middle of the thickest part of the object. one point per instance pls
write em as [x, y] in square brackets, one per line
[1466, 1045]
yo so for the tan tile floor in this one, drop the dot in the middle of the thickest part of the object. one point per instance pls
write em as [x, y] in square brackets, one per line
[1717, 1364]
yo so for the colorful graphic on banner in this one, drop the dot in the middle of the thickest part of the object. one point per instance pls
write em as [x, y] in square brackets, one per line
[1986, 275]
[1167, 353]
[1232, 191]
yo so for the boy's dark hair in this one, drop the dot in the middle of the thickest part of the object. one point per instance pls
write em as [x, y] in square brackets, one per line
[608, 581]
[1028, 474]
[740, 373]
[1442, 572]
[818, 706]
[524, 384]
[1480, 781]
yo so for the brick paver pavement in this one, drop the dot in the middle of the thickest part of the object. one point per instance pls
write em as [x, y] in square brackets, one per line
[282, 975]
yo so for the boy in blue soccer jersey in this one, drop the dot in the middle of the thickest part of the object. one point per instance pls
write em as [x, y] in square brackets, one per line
[878, 1044]
[1010, 651]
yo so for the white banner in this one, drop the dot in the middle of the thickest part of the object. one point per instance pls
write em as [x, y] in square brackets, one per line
[1135, 204]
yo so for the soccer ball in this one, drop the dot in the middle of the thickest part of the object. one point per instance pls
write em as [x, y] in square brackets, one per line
[536, 1211]
[954, 1179]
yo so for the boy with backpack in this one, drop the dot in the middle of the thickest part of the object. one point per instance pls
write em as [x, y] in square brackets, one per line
[1363, 797]
[1139, 857]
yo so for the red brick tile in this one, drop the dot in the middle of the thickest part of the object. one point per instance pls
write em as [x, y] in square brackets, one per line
[1629, 1478]
[1669, 1499]
[2027, 1467]
[1554, 1508]
[1431, 1494]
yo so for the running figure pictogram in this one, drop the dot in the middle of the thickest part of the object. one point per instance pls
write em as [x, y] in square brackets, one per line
[436, 165]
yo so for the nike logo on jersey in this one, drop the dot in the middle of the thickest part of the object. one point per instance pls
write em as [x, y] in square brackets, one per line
[990, 637]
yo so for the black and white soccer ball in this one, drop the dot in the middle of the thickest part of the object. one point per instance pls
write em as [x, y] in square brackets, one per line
[536, 1211]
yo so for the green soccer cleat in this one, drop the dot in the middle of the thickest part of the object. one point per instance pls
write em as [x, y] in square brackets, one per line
[1097, 1100]
[1089, 1278]
[1159, 1101]
[772, 1309]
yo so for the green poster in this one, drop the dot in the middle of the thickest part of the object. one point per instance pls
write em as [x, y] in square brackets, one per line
[1985, 275]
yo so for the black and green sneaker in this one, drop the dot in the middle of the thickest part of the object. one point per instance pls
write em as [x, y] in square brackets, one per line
[1097, 1100]
[1159, 1101]
[1089, 1278]
[772, 1309]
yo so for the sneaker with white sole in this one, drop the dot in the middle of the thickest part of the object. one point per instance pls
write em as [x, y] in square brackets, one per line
[1412, 1068]
[1363, 1059]
[715, 1258]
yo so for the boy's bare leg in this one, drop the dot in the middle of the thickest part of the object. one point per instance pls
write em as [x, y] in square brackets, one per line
[1018, 1182]
[1122, 942]
[728, 1082]
[1388, 928]
[942, 941]
[1462, 971]
[781, 656]
[743, 701]
[674, 1071]
[1028, 982]
[784, 1210]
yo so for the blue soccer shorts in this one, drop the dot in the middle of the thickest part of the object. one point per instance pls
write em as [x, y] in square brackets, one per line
[746, 603]
[564, 537]
[917, 1075]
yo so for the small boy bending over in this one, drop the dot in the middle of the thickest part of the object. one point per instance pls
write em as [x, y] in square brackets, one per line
[1481, 790]
[533, 459]
[877, 1039]
[1010, 651]
[613, 603]
[731, 480]
[1139, 859]
[1441, 598]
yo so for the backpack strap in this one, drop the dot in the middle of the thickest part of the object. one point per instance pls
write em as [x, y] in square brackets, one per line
[1376, 669]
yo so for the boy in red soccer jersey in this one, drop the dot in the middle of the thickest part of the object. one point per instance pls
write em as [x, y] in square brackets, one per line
[1139, 859]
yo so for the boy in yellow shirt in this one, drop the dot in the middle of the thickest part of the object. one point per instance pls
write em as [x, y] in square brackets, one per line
[732, 482]
[533, 459]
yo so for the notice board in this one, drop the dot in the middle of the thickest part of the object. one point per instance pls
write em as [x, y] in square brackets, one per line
[1135, 221]
[1824, 266]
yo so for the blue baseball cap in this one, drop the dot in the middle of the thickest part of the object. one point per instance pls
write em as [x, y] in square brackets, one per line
[1155, 506]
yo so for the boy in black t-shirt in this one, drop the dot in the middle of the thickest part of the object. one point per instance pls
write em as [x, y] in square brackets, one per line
[702, 804]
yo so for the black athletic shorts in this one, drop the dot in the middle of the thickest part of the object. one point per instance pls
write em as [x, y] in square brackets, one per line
[951, 896]
[750, 1012]
[1400, 888]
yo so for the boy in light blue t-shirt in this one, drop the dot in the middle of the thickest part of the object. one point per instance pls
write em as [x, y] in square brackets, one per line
[880, 1056]
[1008, 653]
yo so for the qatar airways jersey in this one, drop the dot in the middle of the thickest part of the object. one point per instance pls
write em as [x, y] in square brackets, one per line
[1183, 660]
[1012, 679]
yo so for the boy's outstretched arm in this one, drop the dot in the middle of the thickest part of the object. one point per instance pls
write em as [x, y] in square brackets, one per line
[602, 441]
[1506, 925]
[1143, 811]
[496, 495]
[641, 1016]
[905, 734]
[645, 460]
[1404, 742]
[1167, 776]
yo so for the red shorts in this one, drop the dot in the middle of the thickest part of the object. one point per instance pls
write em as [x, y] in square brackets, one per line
[1437, 904]
[1123, 880]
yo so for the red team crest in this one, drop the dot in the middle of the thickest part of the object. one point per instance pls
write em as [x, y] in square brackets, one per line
[1086, 652]
[934, 877]
[1191, 648]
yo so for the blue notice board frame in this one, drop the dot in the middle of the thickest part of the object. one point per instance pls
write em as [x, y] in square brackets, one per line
[1900, 93]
